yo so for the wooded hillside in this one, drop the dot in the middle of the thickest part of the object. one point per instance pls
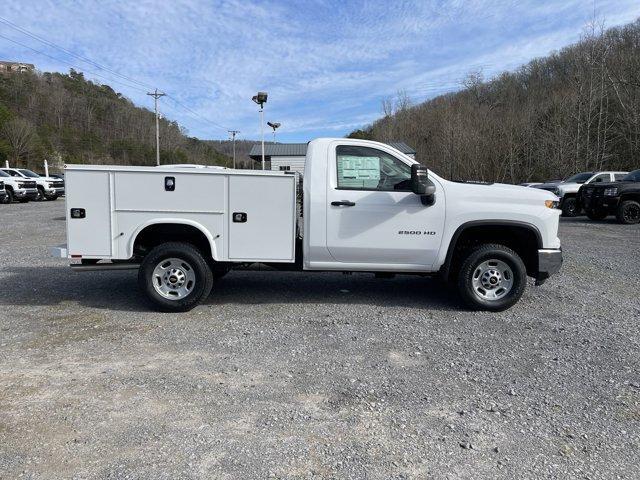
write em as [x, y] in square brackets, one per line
[575, 110]
[68, 119]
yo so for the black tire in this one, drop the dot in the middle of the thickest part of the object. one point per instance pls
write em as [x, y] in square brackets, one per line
[41, 196]
[628, 212]
[597, 214]
[570, 207]
[9, 198]
[472, 264]
[194, 263]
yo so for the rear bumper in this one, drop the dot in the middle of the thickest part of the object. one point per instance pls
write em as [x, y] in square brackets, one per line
[549, 263]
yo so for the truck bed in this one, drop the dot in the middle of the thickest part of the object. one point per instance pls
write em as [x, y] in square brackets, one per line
[247, 215]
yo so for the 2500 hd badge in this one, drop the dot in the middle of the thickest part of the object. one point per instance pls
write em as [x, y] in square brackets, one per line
[416, 232]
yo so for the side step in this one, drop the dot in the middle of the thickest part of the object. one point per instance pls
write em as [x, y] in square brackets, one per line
[78, 267]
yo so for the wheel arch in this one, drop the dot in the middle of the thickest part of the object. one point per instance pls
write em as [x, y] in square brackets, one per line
[172, 229]
[484, 230]
[635, 196]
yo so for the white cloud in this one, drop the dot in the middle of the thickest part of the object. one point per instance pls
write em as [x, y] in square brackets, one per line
[325, 63]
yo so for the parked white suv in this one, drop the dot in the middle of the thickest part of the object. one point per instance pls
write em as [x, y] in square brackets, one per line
[567, 190]
[48, 188]
[18, 188]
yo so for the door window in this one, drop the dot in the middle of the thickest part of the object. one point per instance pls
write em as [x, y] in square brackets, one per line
[365, 168]
[603, 177]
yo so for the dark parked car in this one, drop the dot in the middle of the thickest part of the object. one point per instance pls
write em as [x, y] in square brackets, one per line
[621, 199]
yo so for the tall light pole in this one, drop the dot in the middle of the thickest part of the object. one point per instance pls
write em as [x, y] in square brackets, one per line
[233, 137]
[275, 126]
[261, 99]
[156, 95]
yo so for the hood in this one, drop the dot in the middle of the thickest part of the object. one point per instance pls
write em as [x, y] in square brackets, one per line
[569, 185]
[503, 192]
[607, 184]
[546, 185]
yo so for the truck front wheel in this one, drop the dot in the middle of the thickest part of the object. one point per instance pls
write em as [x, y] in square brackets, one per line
[492, 277]
[8, 198]
[175, 276]
[570, 207]
[628, 212]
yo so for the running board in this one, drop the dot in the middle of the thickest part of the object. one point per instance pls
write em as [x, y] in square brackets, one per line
[78, 267]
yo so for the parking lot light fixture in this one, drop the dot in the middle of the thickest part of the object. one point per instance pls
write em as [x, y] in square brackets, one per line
[261, 98]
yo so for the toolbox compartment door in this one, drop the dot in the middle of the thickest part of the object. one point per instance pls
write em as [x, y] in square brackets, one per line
[261, 218]
[89, 236]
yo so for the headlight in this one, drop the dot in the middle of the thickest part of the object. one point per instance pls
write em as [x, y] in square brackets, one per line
[21, 185]
[551, 204]
[611, 192]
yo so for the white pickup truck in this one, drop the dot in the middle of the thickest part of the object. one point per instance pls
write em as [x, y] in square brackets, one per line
[363, 207]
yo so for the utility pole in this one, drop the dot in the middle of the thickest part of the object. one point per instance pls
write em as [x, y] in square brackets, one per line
[233, 137]
[156, 95]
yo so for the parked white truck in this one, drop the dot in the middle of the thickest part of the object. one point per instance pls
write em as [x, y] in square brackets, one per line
[363, 207]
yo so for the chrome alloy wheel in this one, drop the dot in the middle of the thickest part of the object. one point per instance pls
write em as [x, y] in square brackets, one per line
[173, 278]
[492, 280]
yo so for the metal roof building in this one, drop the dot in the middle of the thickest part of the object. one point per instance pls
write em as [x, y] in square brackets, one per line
[290, 156]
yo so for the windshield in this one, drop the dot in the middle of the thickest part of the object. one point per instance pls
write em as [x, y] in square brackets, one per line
[579, 177]
[3, 174]
[632, 176]
[28, 173]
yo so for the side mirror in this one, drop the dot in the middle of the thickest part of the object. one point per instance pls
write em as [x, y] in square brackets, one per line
[419, 179]
[420, 184]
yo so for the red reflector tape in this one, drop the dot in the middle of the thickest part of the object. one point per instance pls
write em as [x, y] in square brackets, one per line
[76, 256]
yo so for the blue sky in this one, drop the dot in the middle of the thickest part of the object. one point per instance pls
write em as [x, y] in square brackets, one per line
[327, 65]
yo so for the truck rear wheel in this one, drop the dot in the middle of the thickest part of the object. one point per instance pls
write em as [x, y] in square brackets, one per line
[628, 212]
[175, 276]
[492, 277]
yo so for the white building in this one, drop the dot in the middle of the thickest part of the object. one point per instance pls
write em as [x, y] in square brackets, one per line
[290, 156]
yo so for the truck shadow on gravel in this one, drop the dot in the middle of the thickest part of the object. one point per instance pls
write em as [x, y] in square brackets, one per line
[115, 290]
[606, 221]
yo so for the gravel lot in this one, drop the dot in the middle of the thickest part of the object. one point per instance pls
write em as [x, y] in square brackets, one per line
[289, 375]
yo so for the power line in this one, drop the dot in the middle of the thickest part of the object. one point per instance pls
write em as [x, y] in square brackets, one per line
[70, 64]
[175, 100]
[102, 67]
[69, 52]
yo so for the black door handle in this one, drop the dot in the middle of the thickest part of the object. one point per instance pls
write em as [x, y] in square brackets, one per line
[343, 203]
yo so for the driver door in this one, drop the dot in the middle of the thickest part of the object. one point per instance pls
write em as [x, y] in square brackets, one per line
[372, 216]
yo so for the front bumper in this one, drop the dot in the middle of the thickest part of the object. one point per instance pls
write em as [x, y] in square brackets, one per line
[600, 203]
[54, 191]
[549, 263]
[29, 193]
